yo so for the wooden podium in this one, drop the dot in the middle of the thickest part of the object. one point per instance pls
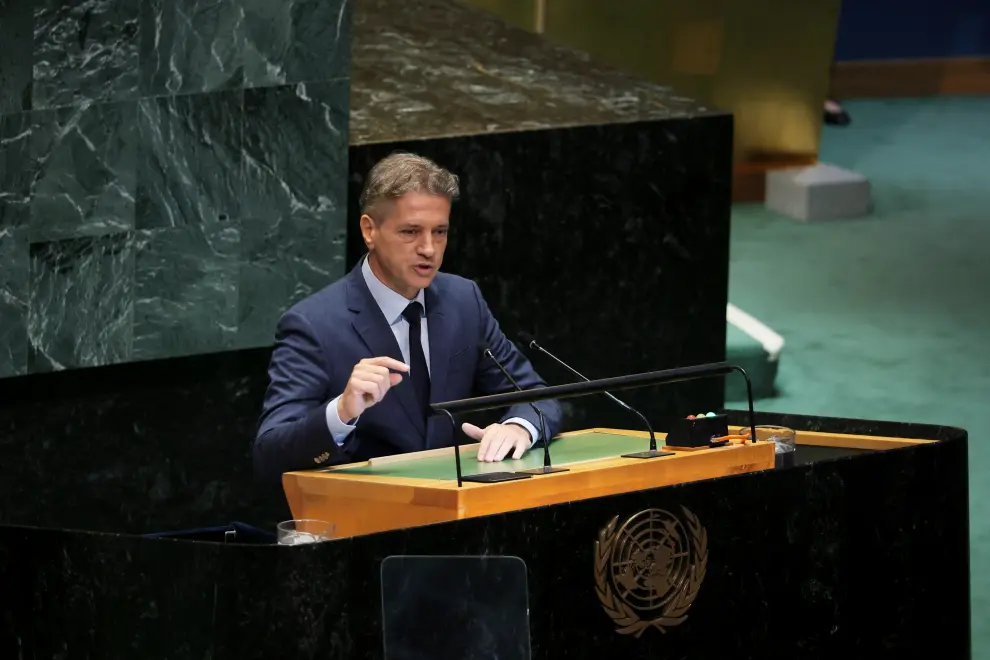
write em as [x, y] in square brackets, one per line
[861, 548]
[407, 490]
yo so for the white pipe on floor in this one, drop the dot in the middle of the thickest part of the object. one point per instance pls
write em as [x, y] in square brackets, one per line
[772, 343]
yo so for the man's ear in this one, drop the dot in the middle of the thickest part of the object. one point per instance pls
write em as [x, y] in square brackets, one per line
[367, 225]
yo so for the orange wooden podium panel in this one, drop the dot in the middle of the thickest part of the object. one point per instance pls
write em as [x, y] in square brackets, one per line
[420, 488]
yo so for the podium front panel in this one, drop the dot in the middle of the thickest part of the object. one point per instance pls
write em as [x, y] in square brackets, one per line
[455, 607]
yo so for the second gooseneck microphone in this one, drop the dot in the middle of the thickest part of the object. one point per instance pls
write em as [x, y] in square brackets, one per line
[530, 341]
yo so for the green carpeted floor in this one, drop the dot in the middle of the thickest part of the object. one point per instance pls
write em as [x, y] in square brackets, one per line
[888, 316]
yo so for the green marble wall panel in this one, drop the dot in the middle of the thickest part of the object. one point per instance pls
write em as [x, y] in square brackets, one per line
[186, 290]
[190, 169]
[172, 174]
[16, 36]
[14, 277]
[83, 174]
[15, 170]
[178, 60]
[293, 239]
[289, 42]
[83, 51]
[80, 308]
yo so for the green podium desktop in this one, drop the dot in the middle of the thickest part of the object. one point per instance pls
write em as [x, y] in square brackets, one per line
[406, 490]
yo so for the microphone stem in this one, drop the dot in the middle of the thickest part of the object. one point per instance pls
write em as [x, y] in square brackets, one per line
[546, 441]
[457, 447]
[653, 437]
[543, 421]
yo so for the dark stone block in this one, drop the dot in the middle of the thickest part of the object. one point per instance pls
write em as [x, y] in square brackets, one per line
[15, 170]
[85, 51]
[190, 161]
[81, 303]
[185, 290]
[295, 41]
[283, 262]
[483, 600]
[14, 291]
[190, 46]
[153, 446]
[83, 169]
[437, 68]
[294, 140]
[17, 38]
[295, 174]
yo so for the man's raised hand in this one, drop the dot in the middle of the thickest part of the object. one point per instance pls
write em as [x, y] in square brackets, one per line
[370, 381]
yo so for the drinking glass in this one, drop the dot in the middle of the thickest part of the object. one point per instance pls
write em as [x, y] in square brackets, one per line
[299, 532]
[785, 444]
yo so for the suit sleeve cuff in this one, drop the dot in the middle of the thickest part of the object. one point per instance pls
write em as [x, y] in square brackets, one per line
[525, 423]
[338, 429]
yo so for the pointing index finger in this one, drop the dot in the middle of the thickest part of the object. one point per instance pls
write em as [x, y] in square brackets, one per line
[391, 363]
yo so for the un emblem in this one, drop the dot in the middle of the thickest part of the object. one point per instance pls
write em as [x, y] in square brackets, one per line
[649, 570]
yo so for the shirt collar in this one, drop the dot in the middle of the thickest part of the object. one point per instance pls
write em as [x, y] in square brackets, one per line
[391, 303]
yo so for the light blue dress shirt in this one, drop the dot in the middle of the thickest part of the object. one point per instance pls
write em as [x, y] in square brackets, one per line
[392, 305]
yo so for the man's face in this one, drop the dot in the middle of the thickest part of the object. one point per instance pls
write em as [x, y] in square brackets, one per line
[408, 240]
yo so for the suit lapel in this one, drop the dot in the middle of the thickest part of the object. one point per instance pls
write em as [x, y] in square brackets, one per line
[441, 327]
[371, 326]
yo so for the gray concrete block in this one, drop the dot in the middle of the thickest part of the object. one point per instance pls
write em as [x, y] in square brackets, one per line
[818, 192]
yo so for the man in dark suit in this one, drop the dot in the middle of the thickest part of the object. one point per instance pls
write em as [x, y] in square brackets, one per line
[356, 364]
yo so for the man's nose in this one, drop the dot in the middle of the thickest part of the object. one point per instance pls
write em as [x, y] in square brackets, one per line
[426, 247]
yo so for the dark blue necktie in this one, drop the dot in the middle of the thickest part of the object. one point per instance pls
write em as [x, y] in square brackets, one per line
[419, 376]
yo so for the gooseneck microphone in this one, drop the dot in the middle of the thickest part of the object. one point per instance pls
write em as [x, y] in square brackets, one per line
[530, 341]
[547, 468]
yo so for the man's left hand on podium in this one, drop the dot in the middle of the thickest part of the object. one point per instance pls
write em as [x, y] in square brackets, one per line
[497, 440]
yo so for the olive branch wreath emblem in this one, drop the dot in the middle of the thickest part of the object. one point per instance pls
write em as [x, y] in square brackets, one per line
[626, 617]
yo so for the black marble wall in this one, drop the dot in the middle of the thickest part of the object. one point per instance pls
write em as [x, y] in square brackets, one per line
[167, 169]
[142, 447]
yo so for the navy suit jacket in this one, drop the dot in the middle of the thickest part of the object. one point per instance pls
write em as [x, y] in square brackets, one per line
[320, 339]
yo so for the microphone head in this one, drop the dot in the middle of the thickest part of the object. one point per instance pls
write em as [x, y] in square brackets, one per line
[483, 347]
[527, 338]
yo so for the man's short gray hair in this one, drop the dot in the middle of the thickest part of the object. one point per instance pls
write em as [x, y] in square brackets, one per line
[401, 173]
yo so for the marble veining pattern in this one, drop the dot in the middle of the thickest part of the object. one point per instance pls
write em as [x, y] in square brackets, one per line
[85, 50]
[83, 167]
[434, 68]
[294, 41]
[14, 278]
[295, 226]
[185, 290]
[191, 46]
[81, 302]
[302, 176]
[172, 173]
[15, 169]
[191, 155]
